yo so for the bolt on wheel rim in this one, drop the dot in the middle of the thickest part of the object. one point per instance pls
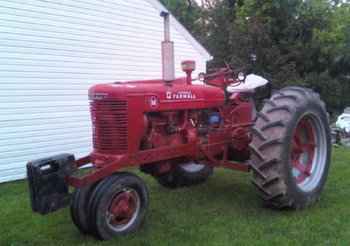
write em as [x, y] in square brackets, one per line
[308, 152]
[123, 210]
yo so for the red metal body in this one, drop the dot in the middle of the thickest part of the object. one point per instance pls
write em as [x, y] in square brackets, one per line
[155, 122]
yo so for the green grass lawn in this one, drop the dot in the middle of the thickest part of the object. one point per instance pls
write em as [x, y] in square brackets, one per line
[223, 211]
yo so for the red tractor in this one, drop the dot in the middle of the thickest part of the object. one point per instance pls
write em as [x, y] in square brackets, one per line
[178, 132]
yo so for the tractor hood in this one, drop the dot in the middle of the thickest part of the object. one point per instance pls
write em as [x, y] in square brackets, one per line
[156, 95]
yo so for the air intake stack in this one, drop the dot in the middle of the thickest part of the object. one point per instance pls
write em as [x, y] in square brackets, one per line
[168, 61]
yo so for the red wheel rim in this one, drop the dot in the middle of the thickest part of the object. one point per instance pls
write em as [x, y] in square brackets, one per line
[303, 150]
[123, 208]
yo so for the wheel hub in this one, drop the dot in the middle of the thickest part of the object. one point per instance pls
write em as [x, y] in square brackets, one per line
[303, 150]
[123, 208]
[308, 152]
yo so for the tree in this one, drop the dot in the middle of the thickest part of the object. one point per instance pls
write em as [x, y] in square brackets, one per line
[304, 42]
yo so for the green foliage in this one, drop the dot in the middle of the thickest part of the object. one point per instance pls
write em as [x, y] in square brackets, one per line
[305, 42]
[187, 12]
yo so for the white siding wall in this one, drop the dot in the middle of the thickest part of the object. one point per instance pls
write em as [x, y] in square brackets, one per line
[51, 52]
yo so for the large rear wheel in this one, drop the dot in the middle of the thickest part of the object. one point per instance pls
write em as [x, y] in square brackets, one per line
[185, 174]
[291, 148]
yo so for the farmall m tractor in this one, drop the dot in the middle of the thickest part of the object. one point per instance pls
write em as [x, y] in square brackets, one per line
[178, 132]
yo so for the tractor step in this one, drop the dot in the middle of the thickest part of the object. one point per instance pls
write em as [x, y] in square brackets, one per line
[46, 177]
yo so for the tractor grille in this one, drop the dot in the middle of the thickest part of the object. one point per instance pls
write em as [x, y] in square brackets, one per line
[110, 126]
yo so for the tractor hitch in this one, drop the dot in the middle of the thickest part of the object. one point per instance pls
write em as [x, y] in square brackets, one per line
[48, 189]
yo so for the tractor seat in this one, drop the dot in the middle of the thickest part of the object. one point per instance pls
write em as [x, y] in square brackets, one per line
[250, 83]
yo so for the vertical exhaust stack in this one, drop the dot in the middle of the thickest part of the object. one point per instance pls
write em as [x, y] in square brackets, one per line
[168, 60]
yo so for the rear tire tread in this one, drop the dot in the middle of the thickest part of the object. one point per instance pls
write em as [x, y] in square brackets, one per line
[265, 163]
[278, 123]
[269, 143]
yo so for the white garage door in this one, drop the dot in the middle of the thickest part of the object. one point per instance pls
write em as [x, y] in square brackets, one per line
[51, 52]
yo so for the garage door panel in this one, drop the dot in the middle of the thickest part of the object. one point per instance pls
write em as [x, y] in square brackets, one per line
[43, 146]
[15, 130]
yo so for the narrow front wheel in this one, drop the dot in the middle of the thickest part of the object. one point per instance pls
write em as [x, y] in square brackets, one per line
[118, 205]
[79, 207]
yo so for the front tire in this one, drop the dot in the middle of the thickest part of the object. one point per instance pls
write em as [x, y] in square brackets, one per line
[291, 149]
[79, 208]
[118, 206]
